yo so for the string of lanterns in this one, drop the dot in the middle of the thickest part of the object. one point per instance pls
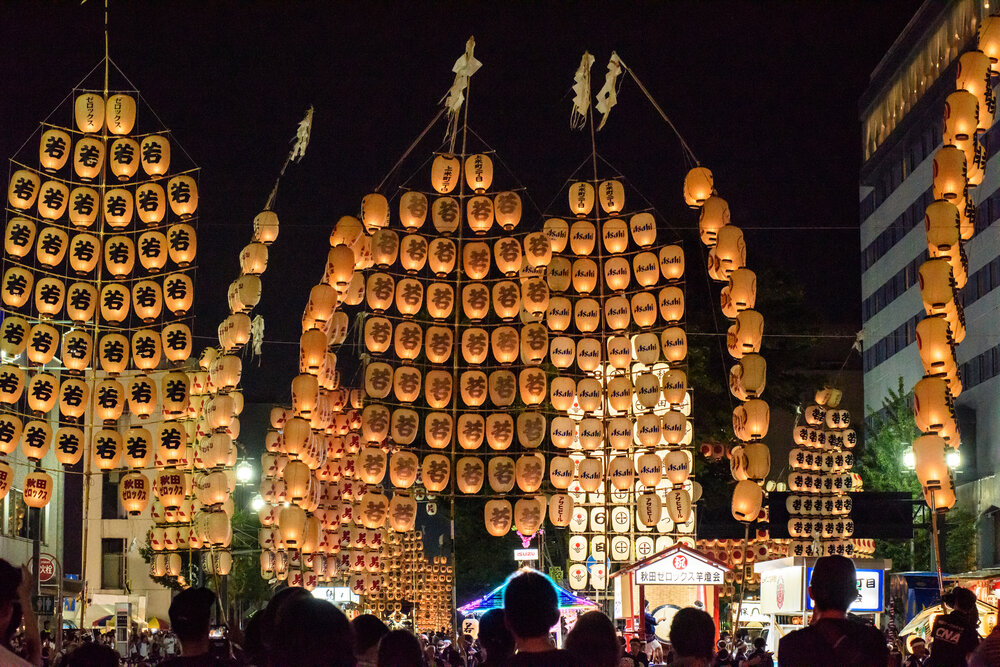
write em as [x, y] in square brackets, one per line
[750, 460]
[949, 221]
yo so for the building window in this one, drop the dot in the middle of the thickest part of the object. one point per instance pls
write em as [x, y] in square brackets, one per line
[112, 564]
[20, 521]
[111, 504]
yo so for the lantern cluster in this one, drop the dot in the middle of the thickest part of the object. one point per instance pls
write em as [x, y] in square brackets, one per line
[820, 479]
[620, 404]
[949, 221]
[99, 250]
[456, 298]
[750, 458]
[415, 582]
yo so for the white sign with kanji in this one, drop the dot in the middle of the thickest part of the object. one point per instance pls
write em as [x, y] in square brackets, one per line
[681, 569]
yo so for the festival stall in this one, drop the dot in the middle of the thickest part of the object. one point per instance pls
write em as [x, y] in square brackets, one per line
[570, 606]
[784, 592]
[672, 579]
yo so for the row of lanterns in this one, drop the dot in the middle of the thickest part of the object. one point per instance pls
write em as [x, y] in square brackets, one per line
[959, 165]
[751, 460]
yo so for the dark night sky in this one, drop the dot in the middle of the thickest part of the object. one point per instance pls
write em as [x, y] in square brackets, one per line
[765, 93]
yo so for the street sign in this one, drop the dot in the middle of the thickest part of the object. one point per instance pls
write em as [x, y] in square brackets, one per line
[525, 554]
[46, 568]
[45, 605]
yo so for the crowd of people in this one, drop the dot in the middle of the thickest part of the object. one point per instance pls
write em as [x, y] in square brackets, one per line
[297, 629]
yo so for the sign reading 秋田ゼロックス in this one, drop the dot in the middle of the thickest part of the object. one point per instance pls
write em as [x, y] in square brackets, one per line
[681, 569]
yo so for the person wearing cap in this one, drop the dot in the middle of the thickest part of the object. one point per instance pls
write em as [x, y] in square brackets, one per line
[832, 639]
[954, 635]
[190, 617]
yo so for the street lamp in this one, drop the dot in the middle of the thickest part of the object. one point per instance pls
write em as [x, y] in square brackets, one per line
[244, 472]
[257, 503]
[953, 459]
[909, 460]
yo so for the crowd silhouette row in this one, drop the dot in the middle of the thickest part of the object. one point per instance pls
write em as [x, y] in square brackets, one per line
[297, 629]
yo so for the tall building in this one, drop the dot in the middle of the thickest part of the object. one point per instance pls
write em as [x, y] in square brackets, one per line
[902, 116]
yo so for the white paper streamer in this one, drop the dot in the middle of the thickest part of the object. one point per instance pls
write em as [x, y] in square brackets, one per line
[608, 96]
[581, 88]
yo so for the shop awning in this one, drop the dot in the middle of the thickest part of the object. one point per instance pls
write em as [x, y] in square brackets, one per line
[922, 622]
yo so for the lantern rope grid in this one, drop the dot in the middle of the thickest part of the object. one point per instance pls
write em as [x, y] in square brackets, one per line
[114, 185]
[688, 153]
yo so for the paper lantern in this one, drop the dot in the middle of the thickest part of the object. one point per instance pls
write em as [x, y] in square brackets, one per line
[38, 487]
[582, 237]
[119, 114]
[470, 473]
[123, 160]
[444, 173]
[12, 382]
[961, 116]
[51, 247]
[649, 467]
[171, 486]
[678, 504]
[176, 342]
[19, 237]
[498, 515]
[133, 491]
[949, 173]
[478, 172]
[69, 443]
[586, 316]
[291, 525]
[929, 461]
[107, 449]
[973, 75]
[435, 472]
[11, 428]
[528, 516]
[36, 438]
[581, 199]
[932, 404]
[42, 392]
[182, 195]
[50, 294]
[758, 460]
[507, 208]
[747, 500]
[698, 186]
[751, 419]
[479, 211]
[142, 396]
[612, 196]
[558, 314]
[560, 509]
[649, 508]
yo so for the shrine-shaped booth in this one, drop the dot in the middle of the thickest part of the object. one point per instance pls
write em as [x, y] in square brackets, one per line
[672, 579]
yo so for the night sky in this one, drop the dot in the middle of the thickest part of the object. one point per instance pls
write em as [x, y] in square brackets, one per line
[765, 94]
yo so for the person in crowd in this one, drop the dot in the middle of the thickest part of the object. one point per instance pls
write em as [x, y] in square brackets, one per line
[722, 657]
[832, 638]
[918, 653]
[312, 633]
[759, 656]
[531, 607]
[593, 642]
[692, 634]
[91, 655]
[954, 635]
[399, 648]
[261, 631]
[495, 638]
[15, 608]
[987, 653]
[190, 617]
[368, 630]
[636, 653]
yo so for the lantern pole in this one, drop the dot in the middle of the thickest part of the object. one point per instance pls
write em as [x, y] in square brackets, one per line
[743, 582]
[935, 546]
[605, 454]
[455, 365]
